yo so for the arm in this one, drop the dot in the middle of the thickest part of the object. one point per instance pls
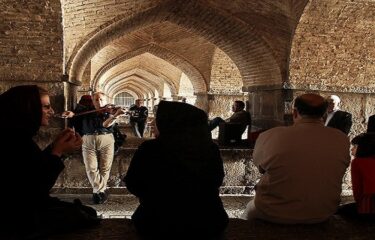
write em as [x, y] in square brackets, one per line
[347, 123]
[112, 118]
[371, 124]
[242, 117]
[258, 155]
[343, 121]
[356, 180]
[135, 180]
[50, 167]
[144, 114]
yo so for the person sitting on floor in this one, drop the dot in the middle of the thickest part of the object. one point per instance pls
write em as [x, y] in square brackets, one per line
[363, 178]
[28, 173]
[302, 166]
[177, 177]
[239, 116]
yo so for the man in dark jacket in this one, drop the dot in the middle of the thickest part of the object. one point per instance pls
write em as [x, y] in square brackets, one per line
[138, 117]
[335, 117]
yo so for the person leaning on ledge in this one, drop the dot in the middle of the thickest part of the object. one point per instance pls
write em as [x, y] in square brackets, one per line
[302, 166]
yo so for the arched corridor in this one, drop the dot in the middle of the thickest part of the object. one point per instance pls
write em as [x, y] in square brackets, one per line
[208, 53]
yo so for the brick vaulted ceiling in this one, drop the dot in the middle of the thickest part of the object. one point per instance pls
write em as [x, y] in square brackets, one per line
[143, 44]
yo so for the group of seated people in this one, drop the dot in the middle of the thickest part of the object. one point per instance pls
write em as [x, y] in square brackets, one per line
[177, 175]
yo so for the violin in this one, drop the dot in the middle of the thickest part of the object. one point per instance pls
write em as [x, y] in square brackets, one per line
[108, 108]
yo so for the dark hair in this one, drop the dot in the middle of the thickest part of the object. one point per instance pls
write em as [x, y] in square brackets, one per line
[86, 100]
[240, 104]
[304, 108]
[365, 143]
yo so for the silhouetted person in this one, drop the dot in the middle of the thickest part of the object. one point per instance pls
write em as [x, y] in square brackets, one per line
[371, 124]
[336, 118]
[177, 176]
[363, 178]
[302, 166]
[138, 118]
[28, 173]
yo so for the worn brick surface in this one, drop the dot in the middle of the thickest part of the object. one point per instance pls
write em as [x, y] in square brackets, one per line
[31, 46]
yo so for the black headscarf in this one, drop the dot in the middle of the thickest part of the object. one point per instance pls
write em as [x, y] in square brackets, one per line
[174, 118]
[183, 129]
[366, 144]
[21, 110]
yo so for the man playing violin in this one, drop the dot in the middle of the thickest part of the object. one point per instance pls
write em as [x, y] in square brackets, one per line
[98, 142]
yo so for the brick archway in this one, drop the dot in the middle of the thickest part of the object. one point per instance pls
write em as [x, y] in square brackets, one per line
[113, 89]
[194, 75]
[250, 53]
[142, 73]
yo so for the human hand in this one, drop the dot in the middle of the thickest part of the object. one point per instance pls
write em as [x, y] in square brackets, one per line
[119, 112]
[66, 141]
[67, 114]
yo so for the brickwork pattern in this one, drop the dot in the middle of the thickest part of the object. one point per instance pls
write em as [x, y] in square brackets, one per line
[337, 54]
[248, 50]
[225, 76]
[31, 47]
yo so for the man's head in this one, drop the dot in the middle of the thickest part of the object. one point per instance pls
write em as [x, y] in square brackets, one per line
[138, 102]
[238, 106]
[99, 100]
[309, 105]
[333, 103]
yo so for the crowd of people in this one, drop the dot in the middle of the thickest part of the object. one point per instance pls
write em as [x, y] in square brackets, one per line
[177, 175]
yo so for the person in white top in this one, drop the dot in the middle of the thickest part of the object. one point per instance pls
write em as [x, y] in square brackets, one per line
[302, 166]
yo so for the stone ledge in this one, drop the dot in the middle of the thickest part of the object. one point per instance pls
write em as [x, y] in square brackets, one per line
[335, 228]
[224, 190]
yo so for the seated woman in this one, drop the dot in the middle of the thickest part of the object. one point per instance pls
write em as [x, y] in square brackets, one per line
[177, 178]
[28, 173]
[363, 178]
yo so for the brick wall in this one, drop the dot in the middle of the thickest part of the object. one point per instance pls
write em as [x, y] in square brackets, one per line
[81, 18]
[337, 55]
[31, 46]
[225, 76]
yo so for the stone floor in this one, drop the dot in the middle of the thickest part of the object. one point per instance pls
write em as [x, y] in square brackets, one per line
[116, 224]
[123, 205]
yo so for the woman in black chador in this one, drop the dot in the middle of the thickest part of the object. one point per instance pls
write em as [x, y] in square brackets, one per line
[177, 178]
[28, 173]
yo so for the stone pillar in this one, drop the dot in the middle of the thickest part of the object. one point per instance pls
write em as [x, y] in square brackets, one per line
[174, 98]
[70, 94]
[271, 105]
[202, 101]
[152, 103]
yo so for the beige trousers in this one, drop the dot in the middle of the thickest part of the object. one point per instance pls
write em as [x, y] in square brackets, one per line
[98, 151]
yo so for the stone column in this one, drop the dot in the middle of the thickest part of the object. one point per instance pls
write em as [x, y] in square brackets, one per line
[271, 105]
[174, 98]
[202, 101]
